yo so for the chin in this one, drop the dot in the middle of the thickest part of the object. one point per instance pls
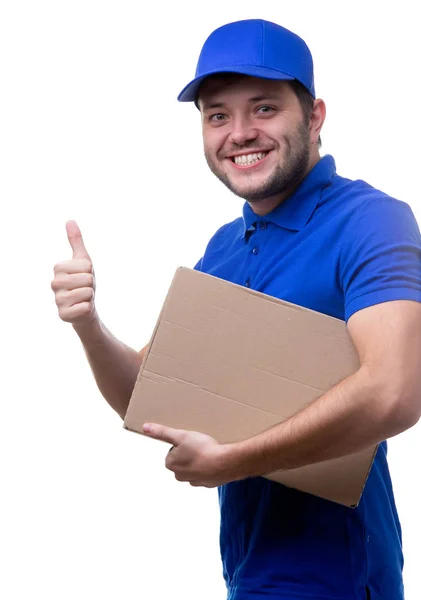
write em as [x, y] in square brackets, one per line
[250, 193]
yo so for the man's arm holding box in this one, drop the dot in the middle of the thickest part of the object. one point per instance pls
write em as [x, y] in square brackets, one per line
[379, 273]
[382, 399]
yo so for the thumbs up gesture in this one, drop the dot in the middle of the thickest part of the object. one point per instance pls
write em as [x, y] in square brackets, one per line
[74, 282]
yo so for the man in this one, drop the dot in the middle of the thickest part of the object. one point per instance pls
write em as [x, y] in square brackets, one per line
[316, 239]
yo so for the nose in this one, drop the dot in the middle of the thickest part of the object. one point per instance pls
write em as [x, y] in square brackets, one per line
[242, 131]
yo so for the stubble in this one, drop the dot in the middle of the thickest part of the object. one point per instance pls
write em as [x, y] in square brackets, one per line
[284, 178]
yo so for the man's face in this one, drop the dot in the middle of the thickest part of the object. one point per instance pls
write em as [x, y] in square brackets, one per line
[255, 138]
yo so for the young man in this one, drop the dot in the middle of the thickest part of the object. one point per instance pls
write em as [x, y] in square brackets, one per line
[316, 239]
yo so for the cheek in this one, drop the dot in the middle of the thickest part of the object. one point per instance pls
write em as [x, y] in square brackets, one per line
[207, 148]
[210, 156]
[213, 140]
[278, 129]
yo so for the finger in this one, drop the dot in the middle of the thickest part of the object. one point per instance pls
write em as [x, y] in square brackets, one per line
[74, 236]
[78, 311]
[72, 297]
[165, 434]
[204, 484]
[72, 282]
[181, 478]
[81, 265]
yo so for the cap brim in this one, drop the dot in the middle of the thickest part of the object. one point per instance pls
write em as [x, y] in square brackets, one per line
[189, 93]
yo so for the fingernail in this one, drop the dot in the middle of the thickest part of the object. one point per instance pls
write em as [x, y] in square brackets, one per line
[147, 428]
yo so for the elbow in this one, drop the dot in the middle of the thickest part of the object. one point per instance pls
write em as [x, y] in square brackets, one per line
[411, 413]
[403, 410]
[395, 397]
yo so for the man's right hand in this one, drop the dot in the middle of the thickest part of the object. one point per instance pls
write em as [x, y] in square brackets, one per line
[74, 282]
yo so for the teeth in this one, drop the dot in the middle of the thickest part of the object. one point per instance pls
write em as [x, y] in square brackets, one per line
[249, 159]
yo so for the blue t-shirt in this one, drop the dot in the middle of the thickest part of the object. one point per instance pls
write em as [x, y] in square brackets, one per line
[335, 246]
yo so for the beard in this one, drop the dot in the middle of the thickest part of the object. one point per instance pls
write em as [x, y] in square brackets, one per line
[285, 177]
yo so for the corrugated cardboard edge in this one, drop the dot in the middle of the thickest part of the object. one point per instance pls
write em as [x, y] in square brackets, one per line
[145, 359]
[347, 504]
[367, 476]
[268, 297]
[252, 292]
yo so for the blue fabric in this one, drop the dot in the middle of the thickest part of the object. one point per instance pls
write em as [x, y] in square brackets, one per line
[253, 47]
[335, 246]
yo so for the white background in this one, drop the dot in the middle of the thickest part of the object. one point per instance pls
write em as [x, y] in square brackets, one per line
[91, 130]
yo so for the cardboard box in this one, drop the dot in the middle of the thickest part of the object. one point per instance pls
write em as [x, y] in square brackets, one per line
[231, 362]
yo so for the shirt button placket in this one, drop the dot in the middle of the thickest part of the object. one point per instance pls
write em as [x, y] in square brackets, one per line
[255, 251]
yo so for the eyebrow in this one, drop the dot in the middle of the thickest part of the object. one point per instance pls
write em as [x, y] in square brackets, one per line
[213, 105]
[264, 97]
[252, 100]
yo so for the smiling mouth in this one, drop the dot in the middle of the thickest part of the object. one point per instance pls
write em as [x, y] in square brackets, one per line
[248, 160]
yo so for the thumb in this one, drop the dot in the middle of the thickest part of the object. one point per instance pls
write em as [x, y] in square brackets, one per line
[165, 434]
[76, 241]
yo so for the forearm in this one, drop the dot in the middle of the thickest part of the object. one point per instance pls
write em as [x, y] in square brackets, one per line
[350, 417]
[115, 366]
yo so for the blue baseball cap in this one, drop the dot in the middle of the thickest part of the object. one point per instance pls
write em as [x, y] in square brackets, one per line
[253, 47]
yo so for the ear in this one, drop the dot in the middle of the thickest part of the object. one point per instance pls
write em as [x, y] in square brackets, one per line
[317, 119]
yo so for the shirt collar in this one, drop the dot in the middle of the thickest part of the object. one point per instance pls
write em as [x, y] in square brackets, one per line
[296, 211]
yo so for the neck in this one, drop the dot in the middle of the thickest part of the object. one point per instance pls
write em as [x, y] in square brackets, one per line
[266, 205]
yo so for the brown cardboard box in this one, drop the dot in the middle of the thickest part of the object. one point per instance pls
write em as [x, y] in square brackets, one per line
[231, 362]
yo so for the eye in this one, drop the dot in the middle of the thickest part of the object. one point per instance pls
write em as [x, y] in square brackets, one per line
[265, 109]
[217, 118]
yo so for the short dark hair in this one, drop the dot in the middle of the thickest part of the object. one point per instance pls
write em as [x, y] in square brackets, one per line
[306, 101]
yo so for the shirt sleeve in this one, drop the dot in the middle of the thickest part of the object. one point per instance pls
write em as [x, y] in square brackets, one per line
[381, 257]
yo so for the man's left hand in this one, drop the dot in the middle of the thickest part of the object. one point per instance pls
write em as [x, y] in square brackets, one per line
[195, 457]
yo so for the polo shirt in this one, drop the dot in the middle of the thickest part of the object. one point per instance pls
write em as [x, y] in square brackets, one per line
[335, 246]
